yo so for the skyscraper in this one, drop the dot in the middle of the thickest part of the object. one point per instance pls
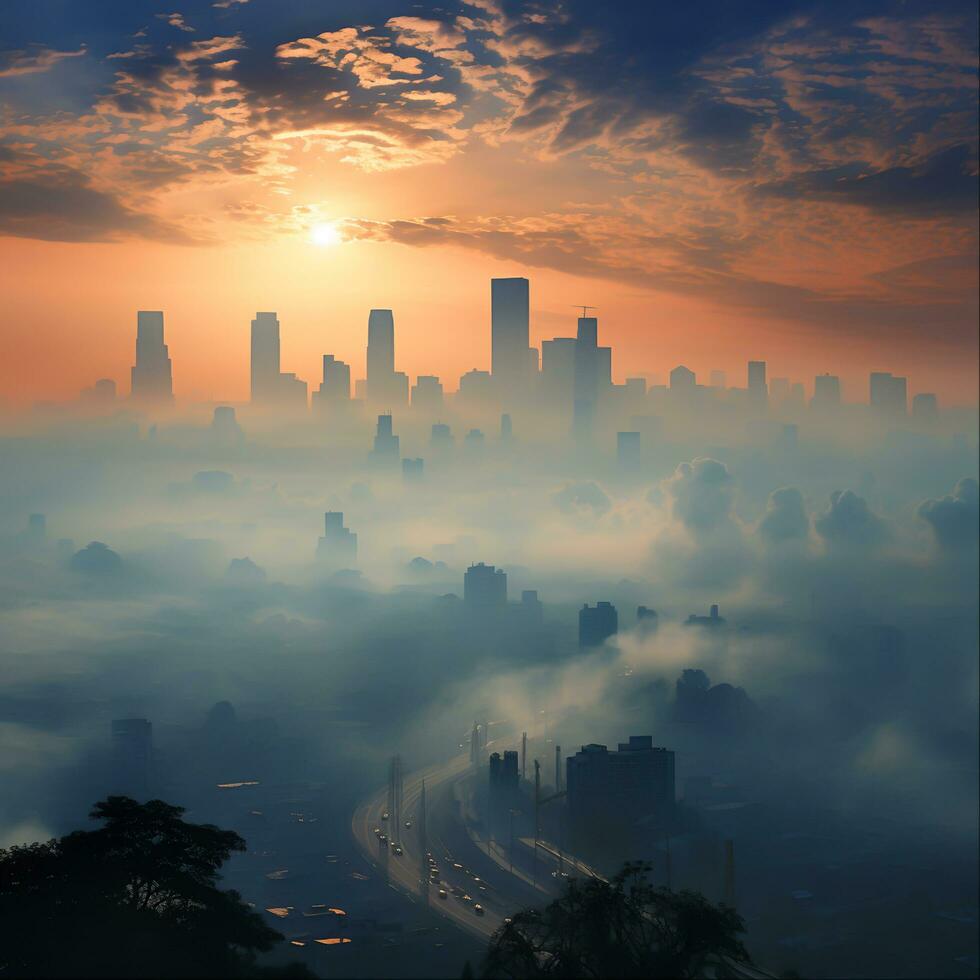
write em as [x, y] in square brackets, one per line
[265, 357]
[338, 546]
[613, 795]
[151, 379]
[826, 392]
[587, 374]
[385, 385]
[509, 335]
[386, 443]
[888, 394]
[334, 389]
[485, 587]
[596, 624]
[757, 387]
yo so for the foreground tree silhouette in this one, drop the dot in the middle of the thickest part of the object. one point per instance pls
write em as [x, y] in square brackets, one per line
[617, 929]
[136, 898]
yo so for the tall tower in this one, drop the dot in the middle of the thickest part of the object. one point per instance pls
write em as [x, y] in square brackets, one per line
[586, 375]
[380, 352]
[265, 357]
[151, 379]
[509, 334]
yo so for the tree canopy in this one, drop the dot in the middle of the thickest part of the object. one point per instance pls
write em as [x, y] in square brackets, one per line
[137, 897]
[623, 928]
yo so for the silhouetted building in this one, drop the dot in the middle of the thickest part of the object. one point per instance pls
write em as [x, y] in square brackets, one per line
[596, 624]
[925, 407]
[712, 619]
[615, 796]
[509, 336]
[476, 387]
[628, 449]
[270, 387]
[412, 469]
[888, 394]
[531, 607]
[485, 587]
[101, 394]
[132, 757]
[385, 385]
[558, 372]
[647, 620]
[151, 378]
[474, 441]
[334, 390]
[386, 444]
[225, 429]
[441, 437]
[338, 546]
[826, 392]
[96, 558]
[682, 380]
[589, 368]
[427, 394]
[757, 376]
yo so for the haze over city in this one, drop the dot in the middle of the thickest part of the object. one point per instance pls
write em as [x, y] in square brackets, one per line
[493, 461]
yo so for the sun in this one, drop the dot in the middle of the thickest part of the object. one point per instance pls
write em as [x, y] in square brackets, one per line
[324, 235]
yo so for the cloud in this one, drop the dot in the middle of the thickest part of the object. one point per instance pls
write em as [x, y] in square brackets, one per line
[955, 519]
[785, 518]
[176, 20]
[849, 522]
[582, 499]
[34, 60]
[702, 492]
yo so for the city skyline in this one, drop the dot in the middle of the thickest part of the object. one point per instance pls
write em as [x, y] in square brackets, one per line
[797, 184]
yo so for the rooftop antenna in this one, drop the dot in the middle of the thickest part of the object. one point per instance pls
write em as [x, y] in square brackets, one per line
[585, 309]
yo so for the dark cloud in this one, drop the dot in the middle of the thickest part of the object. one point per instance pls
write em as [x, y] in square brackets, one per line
[945, 183]
[785, 518]
[702, 492]
[849, 522]
[955, 519]
[61, 206]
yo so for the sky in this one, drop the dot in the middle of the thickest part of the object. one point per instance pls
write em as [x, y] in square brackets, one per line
[795, 182]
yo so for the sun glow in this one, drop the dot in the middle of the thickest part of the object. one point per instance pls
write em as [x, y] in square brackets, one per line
[324, 235]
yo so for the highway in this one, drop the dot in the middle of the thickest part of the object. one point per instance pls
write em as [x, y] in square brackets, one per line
[409, 872]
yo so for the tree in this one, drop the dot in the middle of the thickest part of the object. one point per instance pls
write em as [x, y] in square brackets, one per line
[621, 928]
[137, 897]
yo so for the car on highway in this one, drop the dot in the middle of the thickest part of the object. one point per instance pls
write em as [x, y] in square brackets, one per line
[383, 838]
[397, 848]
[384, 816]
[433, 873]
[443, 893]
[458, 867]
[408, 824]
[377, 831]
[478, 909]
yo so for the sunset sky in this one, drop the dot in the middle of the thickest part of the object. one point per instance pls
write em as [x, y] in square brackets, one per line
[724, 181]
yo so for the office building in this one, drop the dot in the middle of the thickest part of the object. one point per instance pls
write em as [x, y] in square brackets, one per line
[888, 394]
[474, 441]
[826, 392]
[427, 394]
[338, 546]
[151, 379]
[558, 372]
[510, 358]
[269, 386]
[476, 387]
[590, 366]
[596, 624]
[757, 376]
[531, 608]
[485, 587]
[441, 436]
[132, 757]
[412, 469]
[334, 390]
[682, 380]
[925, 407]
[615, 797]
[225, 430]
[712, 620]
[386, 445]
[385, 385]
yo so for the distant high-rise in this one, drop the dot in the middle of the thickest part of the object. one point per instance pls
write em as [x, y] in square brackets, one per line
[225, 429]
[757, 388]
[386, 443]
[588, 362]
[427, 393]
[413, 469]
[532, 607]
[385, 385]
[596, 624]
[925, 406]
[888, 394]
[132, 757]
[476, 387]
[151, 378]
[334, 389]
[826, 392]
[558, 372]
[509, 335]
[102, 393]
[682, 379]
[613, 796]
[485, 587]
[269, 386]
[338, 546]
[441, 437]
